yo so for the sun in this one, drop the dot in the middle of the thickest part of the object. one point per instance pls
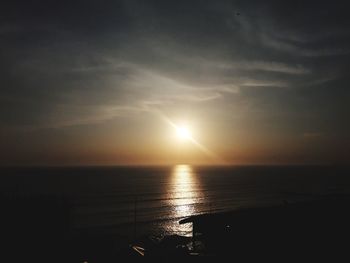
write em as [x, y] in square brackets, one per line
[183, 133]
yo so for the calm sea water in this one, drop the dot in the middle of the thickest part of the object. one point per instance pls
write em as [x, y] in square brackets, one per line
[156, 198]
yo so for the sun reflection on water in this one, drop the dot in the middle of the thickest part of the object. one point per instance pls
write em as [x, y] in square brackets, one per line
[184, 195]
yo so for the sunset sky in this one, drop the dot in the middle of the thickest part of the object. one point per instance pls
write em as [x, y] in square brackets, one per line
[102, 82]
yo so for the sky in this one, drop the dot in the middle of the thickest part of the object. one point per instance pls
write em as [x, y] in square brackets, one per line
[100, 82]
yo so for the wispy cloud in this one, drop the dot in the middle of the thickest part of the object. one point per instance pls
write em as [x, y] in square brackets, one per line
[297, 49]
[274, 67]
[256, 83]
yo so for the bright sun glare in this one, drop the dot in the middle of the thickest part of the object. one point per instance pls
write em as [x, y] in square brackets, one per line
[183, 132]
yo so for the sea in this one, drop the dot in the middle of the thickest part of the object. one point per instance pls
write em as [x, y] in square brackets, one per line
[139, 200]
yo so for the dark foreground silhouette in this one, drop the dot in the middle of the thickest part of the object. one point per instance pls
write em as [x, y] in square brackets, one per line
[316, 230]
[38, 229]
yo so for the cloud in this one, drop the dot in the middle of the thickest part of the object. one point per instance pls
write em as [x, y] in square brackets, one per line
[275, 67]
[298, 50]
[262, 84]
